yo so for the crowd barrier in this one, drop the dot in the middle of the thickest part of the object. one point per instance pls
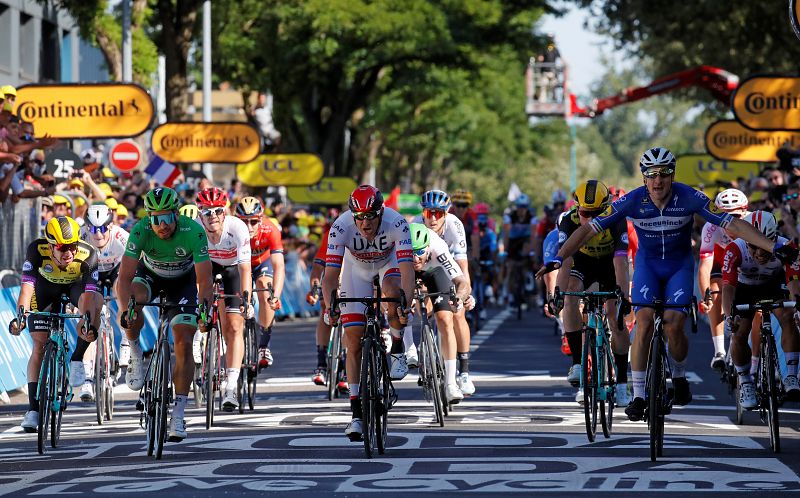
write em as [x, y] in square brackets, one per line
[15, 350]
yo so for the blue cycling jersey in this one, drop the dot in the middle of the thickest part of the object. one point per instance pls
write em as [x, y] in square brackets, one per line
[667, 233]
[488, 243]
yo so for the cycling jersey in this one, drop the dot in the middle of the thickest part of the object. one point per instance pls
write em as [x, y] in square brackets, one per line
[393, 236]
[265, 242]
[319, 258]
[739, 266]
[713, 241]
[110, 255]
[608, 243]
[439, 257]
[488, 244]
[454, 234]
[233, 247]
[519, 231]
[173, 257]
[40, 264]
[470, 222]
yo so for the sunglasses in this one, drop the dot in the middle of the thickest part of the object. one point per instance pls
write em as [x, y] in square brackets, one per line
[788, 197]
[216, 211]
[157, 219]
[366, 216]
[67, 247]
[420, 252]
[461, 204]
[100, 229]
[253, 222]
[434, 213]
[663, 173]
[586, 213]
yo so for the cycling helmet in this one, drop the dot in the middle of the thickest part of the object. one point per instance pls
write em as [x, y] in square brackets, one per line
[62, 230]
[99, 215]
[592, 195]
[481, 208]
[558, 197]
[190, 211]
[420, 236]
[732, 200]
[435, 199]
[212, 197]
[657, 157]
[161, 199]
[764, 222]
[366, 199]
[522, 200]
[462, 196]
[249, 206]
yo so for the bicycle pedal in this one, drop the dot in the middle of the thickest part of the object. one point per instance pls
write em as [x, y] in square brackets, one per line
[140, 405]
[419, 382]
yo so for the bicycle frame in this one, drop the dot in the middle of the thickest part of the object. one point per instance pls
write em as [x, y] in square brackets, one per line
[432, 374]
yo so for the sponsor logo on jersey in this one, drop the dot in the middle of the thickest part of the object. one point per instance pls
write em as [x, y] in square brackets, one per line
[48, 268]
[380, 244]
[131, 246]
[562, 237]
[204, 250]
[96, 275]
[624, 238]
[27, 266]
[714, 209]
[180, 252]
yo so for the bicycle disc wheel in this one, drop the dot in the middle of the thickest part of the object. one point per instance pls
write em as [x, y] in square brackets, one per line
[100, 376]
[432, 372]
[608, 384]
[45, 394]
[369, 390]
[163, 397]
[772, 395]
[655, 393]
[589, 367]
[210, 375]
[60, 400]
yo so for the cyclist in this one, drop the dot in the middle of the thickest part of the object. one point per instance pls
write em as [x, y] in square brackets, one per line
[750, 274]
[662, 212]
[435, 204]
[461, 202]
[436, 268]
[602, 260]
[166, 252]
[267, 268]
[58, 263]
[519, 228]
[190, 211]
[323, 330]
[373, 241]
[109, 242]
[713, 241]
[487, 253]
[229, 250]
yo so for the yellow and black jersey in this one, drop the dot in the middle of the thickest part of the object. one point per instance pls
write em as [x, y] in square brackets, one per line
[606, 244]
[40, 264]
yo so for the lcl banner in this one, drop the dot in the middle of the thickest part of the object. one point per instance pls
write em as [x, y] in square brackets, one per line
[730, 141]
[281, 169]
[334, 190]
[703, 170]
[768, 102]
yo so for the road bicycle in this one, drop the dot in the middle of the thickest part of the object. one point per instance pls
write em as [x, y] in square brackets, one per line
[106, 366]
[248, 377]
[431, 371]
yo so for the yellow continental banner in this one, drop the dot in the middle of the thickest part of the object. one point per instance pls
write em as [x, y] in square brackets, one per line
[85, 110]
[334, 190]
[794, 16]
[768, 103]
[206, 142]
[730, 141]
[704, 171]
[281, 169]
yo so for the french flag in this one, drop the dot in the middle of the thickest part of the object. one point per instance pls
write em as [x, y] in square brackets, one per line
[161, 171]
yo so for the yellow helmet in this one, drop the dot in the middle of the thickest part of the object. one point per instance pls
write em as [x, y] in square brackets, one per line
[592, 195]
[62, 230]
[461, 196]
[189, 210]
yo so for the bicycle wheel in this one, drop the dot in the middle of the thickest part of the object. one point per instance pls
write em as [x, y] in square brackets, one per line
[768, 346]
[369, 391]
[433, 382]
[608, 383]
[163, 393]
[656, 379]
[210, 375]
[150, 406]
[45, 394]
[589, 367]
[382, 403]
[100, 375]
[197, 386]
[61, 397]
[739, 410]
[440, 372]
[334, 350]
[241, 387]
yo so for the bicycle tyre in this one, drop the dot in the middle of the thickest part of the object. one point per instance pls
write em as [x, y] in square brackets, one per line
[739, 410]
[162, 381]
[60, 400]
[149, 409]
[773, 420]
[100, 375]
[589, 366]
[369, 389]
[655, 382]
[45, 394]
[441, 372]
[609, 385]
[433, 382]
[252, 382]
[210, 374]
[332, 374]
[382, 403]
[197, 387]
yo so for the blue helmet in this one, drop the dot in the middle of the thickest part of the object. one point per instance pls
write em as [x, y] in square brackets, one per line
[435, 199]
[522, 200]
[657, 157]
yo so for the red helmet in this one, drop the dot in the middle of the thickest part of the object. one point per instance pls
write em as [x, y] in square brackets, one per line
[365, 199]
[482, 208]
[212, 197]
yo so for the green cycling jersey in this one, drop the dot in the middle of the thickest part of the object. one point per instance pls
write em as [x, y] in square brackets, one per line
[173, 257]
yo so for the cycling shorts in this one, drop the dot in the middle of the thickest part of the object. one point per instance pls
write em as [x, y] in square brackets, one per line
[671, 280]
[46, 296]
[356, 281]
[181, 290]
[231, 284]
[590, 270]
[436, 280]
[748, 294]
[264, 269]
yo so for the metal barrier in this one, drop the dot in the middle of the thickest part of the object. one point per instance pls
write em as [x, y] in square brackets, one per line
[20, 223]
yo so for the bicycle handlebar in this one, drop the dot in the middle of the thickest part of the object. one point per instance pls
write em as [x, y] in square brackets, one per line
[767, 304]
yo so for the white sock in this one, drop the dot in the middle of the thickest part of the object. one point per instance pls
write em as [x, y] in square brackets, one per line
[791, 363]
[450, 371]
[88, 367]
[639, 379]
[180, 405]
[408, 338]
[754, 364]
[744, 373]
[233, 378]
[396, 333]
[678, 367]
[719, 343]
[354, 390]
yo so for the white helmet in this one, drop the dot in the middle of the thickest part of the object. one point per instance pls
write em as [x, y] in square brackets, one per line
[733, 201]
[764, 222]
[99, 215]
[657, 157]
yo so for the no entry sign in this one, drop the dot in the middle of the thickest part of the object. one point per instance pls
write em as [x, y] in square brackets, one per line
[125, 156]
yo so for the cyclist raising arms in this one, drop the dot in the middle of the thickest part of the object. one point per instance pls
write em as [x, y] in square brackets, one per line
[229, 250]
[662, 212]
[59, 263]
[174, 259]
[371, 240]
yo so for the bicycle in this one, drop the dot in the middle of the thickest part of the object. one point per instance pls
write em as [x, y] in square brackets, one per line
[377, 392]
[334, 357]
[105, 364]
[248, 377]
[659, 398]
[598, 370]
[431, 372]
[54, 392]
[769, 390]
[156, 397]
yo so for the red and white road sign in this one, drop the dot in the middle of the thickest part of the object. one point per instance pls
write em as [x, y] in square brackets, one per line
[125, 156]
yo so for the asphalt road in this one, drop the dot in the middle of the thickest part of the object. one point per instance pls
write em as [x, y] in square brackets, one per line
[522, 432]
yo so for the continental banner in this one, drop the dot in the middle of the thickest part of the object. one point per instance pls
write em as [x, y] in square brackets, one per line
[82, 110]
[794, 16]
[281, 169]
[206, 142]
[728, 140]
[334, 190]
[768, 103]
[704, 172]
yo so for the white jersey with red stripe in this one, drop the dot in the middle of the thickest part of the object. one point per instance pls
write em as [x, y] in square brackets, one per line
[233, 247]
[713, 241]
[739, 266]
[392, 237]
[453, 234]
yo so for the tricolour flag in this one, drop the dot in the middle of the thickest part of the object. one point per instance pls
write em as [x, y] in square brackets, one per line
[161, 171]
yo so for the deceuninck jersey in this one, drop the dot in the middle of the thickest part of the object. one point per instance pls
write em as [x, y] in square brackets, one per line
[171, 258]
